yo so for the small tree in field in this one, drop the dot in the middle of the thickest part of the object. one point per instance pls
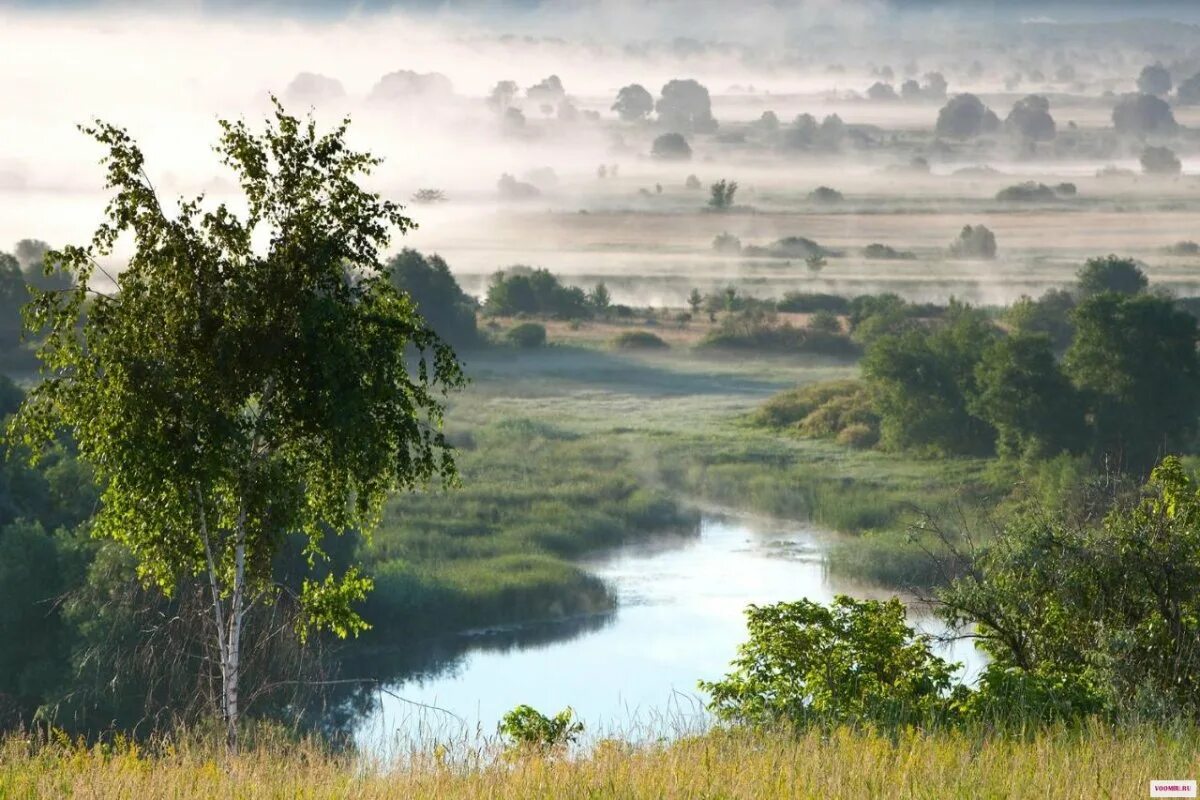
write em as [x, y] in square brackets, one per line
[722, 193]
[229, 394]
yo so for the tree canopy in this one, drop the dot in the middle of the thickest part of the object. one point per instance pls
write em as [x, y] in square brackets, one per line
[229, 395]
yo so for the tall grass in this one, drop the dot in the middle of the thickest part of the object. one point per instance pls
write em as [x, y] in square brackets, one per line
[499, 549]
[1088, 762]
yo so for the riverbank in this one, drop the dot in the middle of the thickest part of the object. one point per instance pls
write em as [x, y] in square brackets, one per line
[570, 451]
[1090, 761]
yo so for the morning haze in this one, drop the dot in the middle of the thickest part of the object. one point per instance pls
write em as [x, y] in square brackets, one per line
[667, 399]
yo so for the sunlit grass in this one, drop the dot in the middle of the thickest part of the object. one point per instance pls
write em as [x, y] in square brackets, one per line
[1092, 761]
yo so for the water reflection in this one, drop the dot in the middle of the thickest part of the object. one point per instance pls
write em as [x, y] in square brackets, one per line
[632, 672]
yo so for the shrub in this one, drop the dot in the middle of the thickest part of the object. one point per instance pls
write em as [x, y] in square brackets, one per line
[526, 727]
[527, 335]
[727, 243]
[858, 436]
[639, 340]
[884, 252]
[822, 410]
[809, 302]
[825, 322]
[974, 242]
[1184, 248]
[854, 661]
[755, 329]
[521, 290]
[1027, 192]
[1160, 161]
[824, 194]
[671, 147]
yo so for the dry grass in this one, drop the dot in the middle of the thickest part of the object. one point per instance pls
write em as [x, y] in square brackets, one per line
[1094, 762]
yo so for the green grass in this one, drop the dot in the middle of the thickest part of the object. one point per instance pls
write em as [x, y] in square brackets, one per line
[571, 451]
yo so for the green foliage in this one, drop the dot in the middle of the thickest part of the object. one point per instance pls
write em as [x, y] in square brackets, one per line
[1134, 360]
[808, 302]
[13, 295]
[1083, 617]
[639, 340]
[825, 322]
[526, 727]
[521, 290]
[599, 298]
[852, 662]
[830, 409]
[284, 373]
[1050, 314]
[921, 382]
[759, 329]
[427, 280]
[527, 335]
[1021, 392]
[1027, 192]
[1110, 274]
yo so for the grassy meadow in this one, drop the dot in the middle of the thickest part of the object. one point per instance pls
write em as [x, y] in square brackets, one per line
[578, 447]
[1088, 762]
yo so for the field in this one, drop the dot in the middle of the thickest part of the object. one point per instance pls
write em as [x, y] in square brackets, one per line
[1095, 761]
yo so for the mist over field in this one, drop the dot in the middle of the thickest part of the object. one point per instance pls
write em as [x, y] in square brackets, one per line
[757, 399]
[167, 73]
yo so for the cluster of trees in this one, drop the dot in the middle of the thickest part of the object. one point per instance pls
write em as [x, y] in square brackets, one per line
[1080, 616]
[524, 290]
[301, 383]
[548, 96]
[683, 106]
[934, 88]
[1126, 388]
[428, 282]
[21, 271]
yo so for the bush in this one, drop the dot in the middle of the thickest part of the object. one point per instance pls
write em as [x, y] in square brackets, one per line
[527, 335]
[824, 194]
[521, 290]
[856, 661]
[825, 322]
[884, 252]
[526, 727]
[727, 243]
[824, 410]
[671, 147]
[791, 247]
[1027, 192]
[974, 242]
[858, 436]
[755, 329]
[1184, 248]
[639, 340]
[809, 302]
[1160, 161]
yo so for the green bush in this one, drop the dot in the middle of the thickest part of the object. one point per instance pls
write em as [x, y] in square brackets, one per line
[853, 662]
[809, 302]
[858, 435]
[639, 340]
[527, 335]
[525, 727]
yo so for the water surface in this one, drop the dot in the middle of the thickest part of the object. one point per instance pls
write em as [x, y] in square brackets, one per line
[633, 672]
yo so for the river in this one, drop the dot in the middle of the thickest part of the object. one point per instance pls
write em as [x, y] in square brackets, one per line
[631, 672]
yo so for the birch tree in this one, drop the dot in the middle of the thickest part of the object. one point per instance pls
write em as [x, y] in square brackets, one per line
[248, 374]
